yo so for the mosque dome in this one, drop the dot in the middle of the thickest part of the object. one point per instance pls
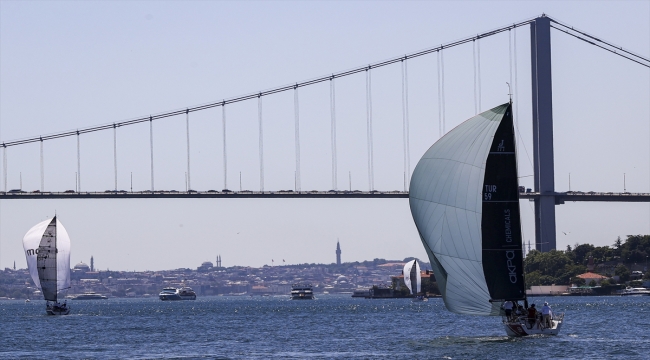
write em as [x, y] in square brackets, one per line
[82, 267]
[207, 264]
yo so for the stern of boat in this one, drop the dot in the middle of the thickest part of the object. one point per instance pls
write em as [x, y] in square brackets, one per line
[521, 327]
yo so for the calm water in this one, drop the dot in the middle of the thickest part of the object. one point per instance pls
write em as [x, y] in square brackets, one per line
[329, 327]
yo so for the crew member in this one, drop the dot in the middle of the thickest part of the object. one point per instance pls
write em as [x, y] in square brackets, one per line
[507, 306]
[532, 315]
[547, 314]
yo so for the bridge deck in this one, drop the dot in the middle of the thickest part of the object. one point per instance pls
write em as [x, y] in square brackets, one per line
[560, 197]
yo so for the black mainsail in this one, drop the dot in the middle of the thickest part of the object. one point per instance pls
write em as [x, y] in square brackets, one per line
[500, 222]
[46, 262]
[465, 205]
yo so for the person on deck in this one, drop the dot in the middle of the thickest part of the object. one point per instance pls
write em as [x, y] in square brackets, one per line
[546, 316]
[532, 315]
[507, 306]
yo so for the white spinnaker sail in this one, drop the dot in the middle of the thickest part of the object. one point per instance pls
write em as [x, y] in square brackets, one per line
[446, 204]
[63, 257]
[408, 280]
[418, 278]
[407, 274]
[31, 243]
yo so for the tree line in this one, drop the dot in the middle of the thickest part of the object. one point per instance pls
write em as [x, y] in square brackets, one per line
[562, 267]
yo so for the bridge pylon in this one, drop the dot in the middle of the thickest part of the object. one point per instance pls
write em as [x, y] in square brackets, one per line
[544, 171]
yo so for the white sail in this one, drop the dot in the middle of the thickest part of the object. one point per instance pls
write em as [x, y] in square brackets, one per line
[418, 278]
[410, 268]
[37, 239]
[446, 204]
[62, 257]
[407, 275]
[31, 241]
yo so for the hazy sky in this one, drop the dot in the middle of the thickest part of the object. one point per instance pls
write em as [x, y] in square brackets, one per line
[67, 65]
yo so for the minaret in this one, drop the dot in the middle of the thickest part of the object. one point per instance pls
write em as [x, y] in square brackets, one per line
[338, 252]
[14, 265]
[92, 264]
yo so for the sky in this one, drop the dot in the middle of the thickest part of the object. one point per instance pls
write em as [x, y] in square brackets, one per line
[66, 65]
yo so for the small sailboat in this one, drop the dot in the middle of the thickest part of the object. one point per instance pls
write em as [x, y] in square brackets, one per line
[413, 280]
[47, 249]
[464, 198]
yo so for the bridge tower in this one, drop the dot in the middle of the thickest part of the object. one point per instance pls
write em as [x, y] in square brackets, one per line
[544, 173]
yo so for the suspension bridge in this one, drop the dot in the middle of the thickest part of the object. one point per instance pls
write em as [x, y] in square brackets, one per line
[543, 193]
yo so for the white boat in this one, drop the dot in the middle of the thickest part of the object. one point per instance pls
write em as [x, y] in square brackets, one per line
[464, 198]
[302, 292]
[47, 249]
[89, 296]
[186, 293]
[169, 293]
[413, 280]
[630, 291]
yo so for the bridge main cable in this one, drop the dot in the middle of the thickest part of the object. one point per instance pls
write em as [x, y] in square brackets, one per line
[269, 91]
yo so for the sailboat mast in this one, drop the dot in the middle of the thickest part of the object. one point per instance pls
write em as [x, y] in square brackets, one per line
[56, 251]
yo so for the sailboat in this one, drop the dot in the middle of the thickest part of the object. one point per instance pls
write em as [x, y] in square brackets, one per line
[464, 198]
[413, 279]
[47, 249]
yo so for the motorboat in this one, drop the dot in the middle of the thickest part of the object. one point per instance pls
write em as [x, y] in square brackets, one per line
[186, 293]
[302, 292]
[169, 293]
[630, 291]
[89, 296]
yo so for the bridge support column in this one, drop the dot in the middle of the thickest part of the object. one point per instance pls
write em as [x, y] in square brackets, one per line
[540, 32]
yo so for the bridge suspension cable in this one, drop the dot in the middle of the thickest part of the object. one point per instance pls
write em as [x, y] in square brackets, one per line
[42, 169]
[590, 39]
[405, 124]
[441, 94]
[151, 148]
[333, 136]
[296, 109]
[115, 152]
[4, 166]
[371, 169]
[271, 91]
[478, 71]
[78, 162]
[187, 126]
[261, 145]
[225, 156]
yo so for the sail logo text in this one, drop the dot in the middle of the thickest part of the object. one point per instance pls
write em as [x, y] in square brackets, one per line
[512, 269]
[36, 251]
[508, 225]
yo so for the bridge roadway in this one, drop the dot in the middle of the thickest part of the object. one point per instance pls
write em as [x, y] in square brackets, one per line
[560, 197]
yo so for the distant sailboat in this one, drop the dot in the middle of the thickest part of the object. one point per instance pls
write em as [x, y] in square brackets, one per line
[47, 249]
[413, 279]
[464, 200]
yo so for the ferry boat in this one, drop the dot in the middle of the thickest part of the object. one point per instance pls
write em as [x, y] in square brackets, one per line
[169, 293]
[635, 292]
[302, 292]
[186, 293]
[89, 296]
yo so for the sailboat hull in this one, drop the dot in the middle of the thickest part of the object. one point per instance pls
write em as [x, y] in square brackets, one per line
[57, 310]
[521, 327]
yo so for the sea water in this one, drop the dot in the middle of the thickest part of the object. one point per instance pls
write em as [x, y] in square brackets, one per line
[332, 326]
